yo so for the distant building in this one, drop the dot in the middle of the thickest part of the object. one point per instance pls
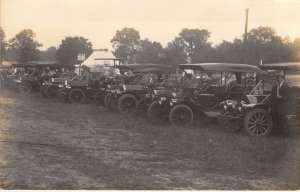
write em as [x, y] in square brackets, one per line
[103, 61]
[101, 57]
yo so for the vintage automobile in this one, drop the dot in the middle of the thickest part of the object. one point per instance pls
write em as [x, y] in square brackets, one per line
[110, 85]
[5, 73]
[201, 94]
[90, 85]
[50, 87]
[76, 90]
[116, 85]
[165, 89]
[146, 78]
[159, 107]
[257, 113]
[29, 77]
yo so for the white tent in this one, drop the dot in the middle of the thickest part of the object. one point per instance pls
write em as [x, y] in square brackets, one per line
[102, 60]
[100, 57]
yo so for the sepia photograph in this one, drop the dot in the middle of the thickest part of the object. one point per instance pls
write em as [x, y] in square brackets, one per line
[149, 95]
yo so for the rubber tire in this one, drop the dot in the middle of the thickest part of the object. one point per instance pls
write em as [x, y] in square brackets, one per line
[258, 111]
[51, 91]
[175, 109]
[121, 100]
[25, 83]
[152, 115]
[74, 91]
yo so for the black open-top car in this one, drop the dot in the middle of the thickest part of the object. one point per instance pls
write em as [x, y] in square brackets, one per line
[260, 111]
[201, 92]
[144, 79]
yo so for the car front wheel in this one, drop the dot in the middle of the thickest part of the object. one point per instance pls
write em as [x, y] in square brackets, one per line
[77, 96]
[127, 104]
[51, 91]
[258, 122]
[25, 87]
[181, 115]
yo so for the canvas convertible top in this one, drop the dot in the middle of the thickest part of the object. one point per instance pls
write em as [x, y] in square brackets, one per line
[152, 70]
[226, 67]
[38, 65]
[295, 66]
[148, 66]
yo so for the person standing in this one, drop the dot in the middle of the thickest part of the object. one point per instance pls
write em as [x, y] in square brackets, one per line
[279, 103]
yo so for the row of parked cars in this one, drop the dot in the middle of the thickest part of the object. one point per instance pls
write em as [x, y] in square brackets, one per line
[237, 95]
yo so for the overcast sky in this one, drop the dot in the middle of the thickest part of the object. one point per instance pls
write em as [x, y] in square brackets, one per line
[157, 20]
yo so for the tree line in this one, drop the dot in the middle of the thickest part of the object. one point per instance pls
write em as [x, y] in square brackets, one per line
[190, 46]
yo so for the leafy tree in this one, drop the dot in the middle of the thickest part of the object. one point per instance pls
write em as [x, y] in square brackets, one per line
[25, 46]
[70, 47]
[3, 44]
[126, 44]
[231, 52]
[175, 53]
[150, 52]
[264, 44]
[295, 47]
[196, 45]
[49, 54]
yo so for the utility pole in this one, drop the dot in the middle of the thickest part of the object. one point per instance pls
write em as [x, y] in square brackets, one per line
[245, 37]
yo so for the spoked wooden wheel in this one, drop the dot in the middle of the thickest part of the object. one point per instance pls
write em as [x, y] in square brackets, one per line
[51, 91]
[76, 96]
[127, 104]
[156, 113]
[181, 115]
[258, 122]
[25, 87]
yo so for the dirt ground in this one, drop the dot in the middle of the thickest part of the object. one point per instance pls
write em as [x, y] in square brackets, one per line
[47, 144]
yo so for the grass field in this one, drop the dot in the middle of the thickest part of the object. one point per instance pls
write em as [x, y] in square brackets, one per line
[47, 144]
